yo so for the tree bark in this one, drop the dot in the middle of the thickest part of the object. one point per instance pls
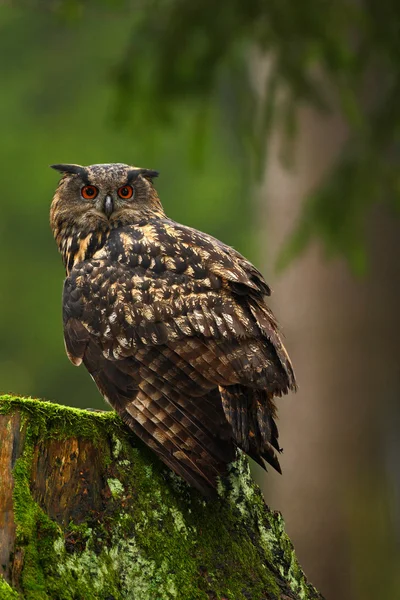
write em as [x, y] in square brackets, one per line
[87, 512]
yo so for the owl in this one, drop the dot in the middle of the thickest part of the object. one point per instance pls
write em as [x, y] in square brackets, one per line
[171, 324]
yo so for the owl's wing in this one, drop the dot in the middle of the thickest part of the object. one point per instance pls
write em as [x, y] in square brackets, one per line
[178, 416]
[164, 317]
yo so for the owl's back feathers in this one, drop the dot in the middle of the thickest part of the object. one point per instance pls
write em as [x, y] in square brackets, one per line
[174, 329]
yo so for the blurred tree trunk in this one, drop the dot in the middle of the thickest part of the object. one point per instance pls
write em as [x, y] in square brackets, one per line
[343, 336]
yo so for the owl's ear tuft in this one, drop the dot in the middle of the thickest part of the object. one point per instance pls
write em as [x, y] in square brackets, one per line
[147, 173]
[73, 169]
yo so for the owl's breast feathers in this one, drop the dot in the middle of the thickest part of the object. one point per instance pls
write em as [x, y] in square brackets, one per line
[173, 326]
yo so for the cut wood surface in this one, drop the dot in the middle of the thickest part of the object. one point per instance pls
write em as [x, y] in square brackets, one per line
[88, 513]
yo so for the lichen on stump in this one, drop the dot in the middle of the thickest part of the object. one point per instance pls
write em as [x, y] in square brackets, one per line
[88, 513]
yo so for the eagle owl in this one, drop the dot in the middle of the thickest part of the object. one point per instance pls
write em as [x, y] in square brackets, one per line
[170, 322]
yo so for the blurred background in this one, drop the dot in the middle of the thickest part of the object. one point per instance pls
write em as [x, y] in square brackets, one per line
[276, 128]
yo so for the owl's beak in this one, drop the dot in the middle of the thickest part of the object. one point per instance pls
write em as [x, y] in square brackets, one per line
[108, 206]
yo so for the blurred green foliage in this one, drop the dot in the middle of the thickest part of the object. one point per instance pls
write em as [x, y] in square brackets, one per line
[343, 55]
[57, 104]
[165, 84]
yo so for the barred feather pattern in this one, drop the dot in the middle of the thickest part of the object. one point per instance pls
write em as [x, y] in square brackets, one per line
[174, 329]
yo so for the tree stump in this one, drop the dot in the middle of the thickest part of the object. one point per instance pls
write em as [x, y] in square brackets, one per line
[88, 513]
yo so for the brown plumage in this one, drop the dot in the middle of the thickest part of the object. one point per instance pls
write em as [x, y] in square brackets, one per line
[170, 322]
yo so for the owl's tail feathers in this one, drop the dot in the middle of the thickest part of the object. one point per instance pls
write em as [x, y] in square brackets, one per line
[200, 469]
[251, 415]
[190, 435]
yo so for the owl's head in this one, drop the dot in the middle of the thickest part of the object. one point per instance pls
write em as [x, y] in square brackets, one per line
[90, 201]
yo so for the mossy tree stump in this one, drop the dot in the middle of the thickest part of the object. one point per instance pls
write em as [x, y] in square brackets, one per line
[88, 513]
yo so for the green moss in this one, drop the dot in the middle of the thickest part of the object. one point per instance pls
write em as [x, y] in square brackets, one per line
[156, 539]
[6, 592]
[62, 422]
[116, 487]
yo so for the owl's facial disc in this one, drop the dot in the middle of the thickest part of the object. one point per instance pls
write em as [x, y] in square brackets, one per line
[101, 197]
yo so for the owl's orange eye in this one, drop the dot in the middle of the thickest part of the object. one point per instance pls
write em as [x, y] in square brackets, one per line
[125, 192]
[89, 192]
